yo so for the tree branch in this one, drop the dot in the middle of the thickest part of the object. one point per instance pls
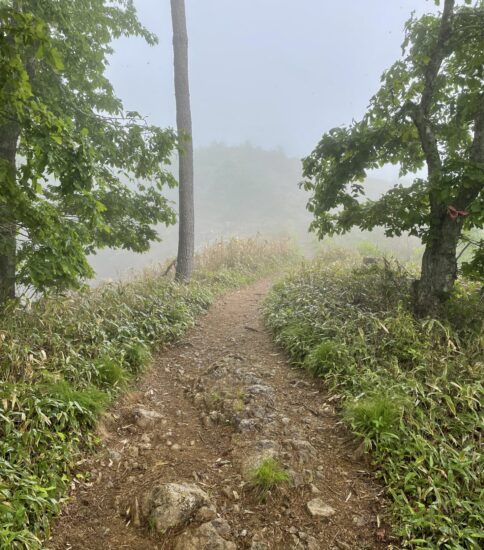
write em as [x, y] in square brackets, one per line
[420, 113]
[470, 192]
[437, 56]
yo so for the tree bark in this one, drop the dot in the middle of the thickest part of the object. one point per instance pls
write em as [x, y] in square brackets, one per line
[186, 228]
[9, 134]
[439, 266]
[439, 262]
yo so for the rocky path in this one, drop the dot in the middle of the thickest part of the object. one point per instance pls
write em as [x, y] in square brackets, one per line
[178, 457]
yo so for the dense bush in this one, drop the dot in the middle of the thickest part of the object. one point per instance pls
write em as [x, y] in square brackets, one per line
[63, 359]
[412, 388]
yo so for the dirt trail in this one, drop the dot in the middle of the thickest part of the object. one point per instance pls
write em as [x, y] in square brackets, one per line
[212, 408]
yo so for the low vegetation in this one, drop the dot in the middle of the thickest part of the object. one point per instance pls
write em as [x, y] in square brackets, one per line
[411, 388]
[268, 476]
[62, 360]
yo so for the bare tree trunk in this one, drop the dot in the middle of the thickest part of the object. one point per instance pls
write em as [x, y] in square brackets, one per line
[186, 231]
[439, 266]
[8, 149]
[439, 262]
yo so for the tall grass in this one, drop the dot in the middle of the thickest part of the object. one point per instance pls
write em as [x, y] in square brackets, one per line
[63, 359]
[411, 388]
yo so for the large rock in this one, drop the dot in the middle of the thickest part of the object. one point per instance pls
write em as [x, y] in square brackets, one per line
[205, 537]
[172, 505]
[318, 508]
[144, 418]
[302, 449]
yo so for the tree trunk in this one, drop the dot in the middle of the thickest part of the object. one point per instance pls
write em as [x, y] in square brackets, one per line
[186, 231]
[439, 263]
[8, 149]
[439, 266]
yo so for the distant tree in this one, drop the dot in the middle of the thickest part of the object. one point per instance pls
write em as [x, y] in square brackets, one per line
[428, 112]
[74, 166]
[186, 234]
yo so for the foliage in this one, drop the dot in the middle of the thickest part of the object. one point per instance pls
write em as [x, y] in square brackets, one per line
[268, 475]
[89, 174]
[375, 418]
[411, 388]
[428, 111]
[63, 359]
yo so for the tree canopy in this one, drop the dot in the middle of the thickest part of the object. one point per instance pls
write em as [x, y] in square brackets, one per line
[86, 174]
[428, 112]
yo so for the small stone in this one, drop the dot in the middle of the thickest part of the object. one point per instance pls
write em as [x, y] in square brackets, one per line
[145, 417]
[308, 476]
[227, 491]
[115, 456]
[359, 521]
[258, 389]
[297, 479]
[314, 489]
[285, 420]
[318, 508]
[134, 452]
[176, 447]
[192, 443]
[258, 544]
[313, 544]
[248, 425]
[243, 533]
[206, 421]
[292, 530]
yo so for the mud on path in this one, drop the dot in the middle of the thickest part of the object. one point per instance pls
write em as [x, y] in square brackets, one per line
[177, 455]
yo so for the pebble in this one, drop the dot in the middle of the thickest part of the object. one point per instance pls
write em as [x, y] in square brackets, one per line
[176, 447]
[318, 508]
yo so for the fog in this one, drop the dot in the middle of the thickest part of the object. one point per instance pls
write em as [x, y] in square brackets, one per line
[274, 74]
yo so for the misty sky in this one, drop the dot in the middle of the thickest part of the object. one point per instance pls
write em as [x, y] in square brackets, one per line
[277, 73]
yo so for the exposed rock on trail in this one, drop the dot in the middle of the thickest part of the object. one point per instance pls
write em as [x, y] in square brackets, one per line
[172, 505]
[177, 466]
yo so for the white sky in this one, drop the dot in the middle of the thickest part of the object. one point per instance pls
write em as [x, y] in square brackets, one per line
[277, 73]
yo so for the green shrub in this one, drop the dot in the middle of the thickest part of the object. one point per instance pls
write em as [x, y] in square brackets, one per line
[110, 371]
[89, 401]
[268, 475]
[412, 388]
[138, 356]
[374, 418]
[328, 355]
